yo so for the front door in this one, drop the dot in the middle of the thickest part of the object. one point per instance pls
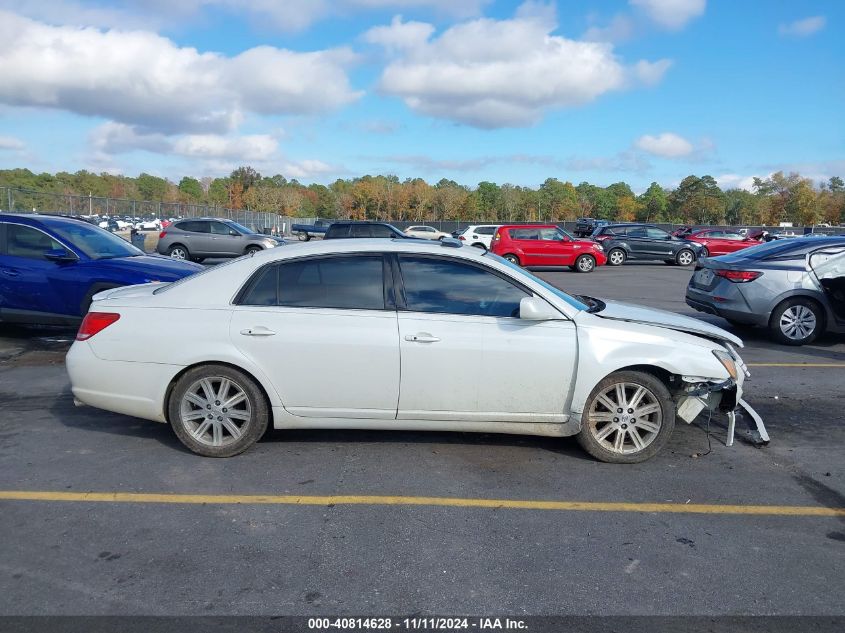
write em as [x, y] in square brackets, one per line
[466, 355]
[225, 240]
[325, 332]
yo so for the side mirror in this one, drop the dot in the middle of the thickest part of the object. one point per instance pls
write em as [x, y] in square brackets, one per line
[537, 309]
[60, 255]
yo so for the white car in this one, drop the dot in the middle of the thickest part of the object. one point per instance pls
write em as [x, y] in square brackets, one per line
[149, 225]
[425, 232]
[396, 335]
[480, 236]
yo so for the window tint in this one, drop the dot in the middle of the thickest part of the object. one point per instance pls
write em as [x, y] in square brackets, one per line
[550, 234]
[656, 234]
[333, 282]
[379, 230]
[452, 287]
[485, 230]
[637, 232]
[23, 241]
[359, 230]
[263, 289]
[218, 228]
[194, 226]
[525, 234]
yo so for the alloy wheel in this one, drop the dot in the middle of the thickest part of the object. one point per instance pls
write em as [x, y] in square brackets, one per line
[178, 253]
[685, 258]
[625, 418]
[585, 264]
[616, 257]
[215, 411]
[797, 322]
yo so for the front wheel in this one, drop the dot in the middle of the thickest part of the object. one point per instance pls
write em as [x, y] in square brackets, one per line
[616, 257]
[513, 259]
[252, 250]
[685, 257]
[217, 411]
[627, 419]
[585, 264]
[704, 252]
[796, 322]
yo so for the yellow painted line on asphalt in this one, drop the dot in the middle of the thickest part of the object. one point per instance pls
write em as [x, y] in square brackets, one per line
[836, 365]
[376, 500]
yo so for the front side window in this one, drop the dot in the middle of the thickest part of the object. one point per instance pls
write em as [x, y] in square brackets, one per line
[656, 234]
[24, 241]
[349, 282]
[218, 228]
[551, 235]
[379, 230]
[445, 286]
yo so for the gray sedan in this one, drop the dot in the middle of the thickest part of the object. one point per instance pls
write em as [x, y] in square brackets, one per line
[199, 238]
[792, 287]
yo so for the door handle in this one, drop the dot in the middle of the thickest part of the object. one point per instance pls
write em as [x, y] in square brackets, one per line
[259, 330]
[11, 272]
[421, 337]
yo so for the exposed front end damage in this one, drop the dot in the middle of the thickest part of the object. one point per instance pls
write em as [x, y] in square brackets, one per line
[695, 394]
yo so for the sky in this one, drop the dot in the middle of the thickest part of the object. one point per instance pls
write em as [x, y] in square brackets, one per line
[601, 91]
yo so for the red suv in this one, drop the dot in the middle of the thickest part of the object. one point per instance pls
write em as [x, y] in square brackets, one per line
[546, 245]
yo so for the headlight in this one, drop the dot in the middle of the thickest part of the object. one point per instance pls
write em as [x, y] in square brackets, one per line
[726, 361]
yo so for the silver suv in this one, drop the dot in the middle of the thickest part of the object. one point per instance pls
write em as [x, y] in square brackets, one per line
[199, 238]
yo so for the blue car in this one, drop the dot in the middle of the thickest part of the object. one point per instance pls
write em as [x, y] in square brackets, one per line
[51, 267]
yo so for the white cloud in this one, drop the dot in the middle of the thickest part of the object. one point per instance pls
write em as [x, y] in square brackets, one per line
[11, 143]
[142, 79]
[504, 73]
[735, 181]
[309, 168]
[284, 15]
[620, 28]
[399, 35]
[665, 145]
[671, 14]
[254, 147]
[803, 28]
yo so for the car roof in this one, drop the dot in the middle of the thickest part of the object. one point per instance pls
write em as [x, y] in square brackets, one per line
[528, 226]
[42, 219]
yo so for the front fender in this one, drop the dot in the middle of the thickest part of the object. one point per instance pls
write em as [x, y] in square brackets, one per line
[608, 347]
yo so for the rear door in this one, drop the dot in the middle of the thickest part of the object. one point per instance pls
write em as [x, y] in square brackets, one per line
[637, 240]
[466, 354]
[527, 240]
[197, 236]
[324, 329]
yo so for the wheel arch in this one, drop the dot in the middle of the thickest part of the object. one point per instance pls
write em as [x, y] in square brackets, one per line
[262, 387]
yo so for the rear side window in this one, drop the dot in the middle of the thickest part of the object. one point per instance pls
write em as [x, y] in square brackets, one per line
[350, 282]
[525, 234]
[452, 287]
[194, 226]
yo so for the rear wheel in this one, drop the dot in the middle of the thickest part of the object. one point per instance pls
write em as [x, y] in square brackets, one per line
[585, 264]
[479, 245]
[685, 257]
[177, 251]
[513, 259]
[616, 257]
[796, 321]
[217, 411]
[628, 418]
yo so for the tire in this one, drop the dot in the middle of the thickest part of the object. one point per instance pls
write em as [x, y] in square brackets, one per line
[479, 245]
[218, 439]
[177, 251]
[585, 264]
[797, 321]
[600, 422]
[198, 260]
[616, 257]
[252, 250]
[513, 259]
[704, 252]
[685, 257]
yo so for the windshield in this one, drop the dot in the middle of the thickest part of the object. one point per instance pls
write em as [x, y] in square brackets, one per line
[94, 241]
[556, 291]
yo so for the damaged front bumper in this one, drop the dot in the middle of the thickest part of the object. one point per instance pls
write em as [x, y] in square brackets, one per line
[696, 395]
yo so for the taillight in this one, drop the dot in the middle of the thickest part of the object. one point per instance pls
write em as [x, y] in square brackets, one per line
[498, 236]
[601, 238]
[95, 322]
[162, 234]
[738, 276]
[462, 238]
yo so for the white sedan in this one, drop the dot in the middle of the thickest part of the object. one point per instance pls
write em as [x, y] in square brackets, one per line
[426, 233]
[397, 335]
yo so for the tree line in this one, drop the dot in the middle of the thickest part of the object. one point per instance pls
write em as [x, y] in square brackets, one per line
[696, 200]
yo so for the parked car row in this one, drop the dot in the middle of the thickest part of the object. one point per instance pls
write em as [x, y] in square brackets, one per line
[198, 238]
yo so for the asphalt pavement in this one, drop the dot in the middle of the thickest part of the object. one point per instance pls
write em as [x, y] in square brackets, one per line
[328, 522]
